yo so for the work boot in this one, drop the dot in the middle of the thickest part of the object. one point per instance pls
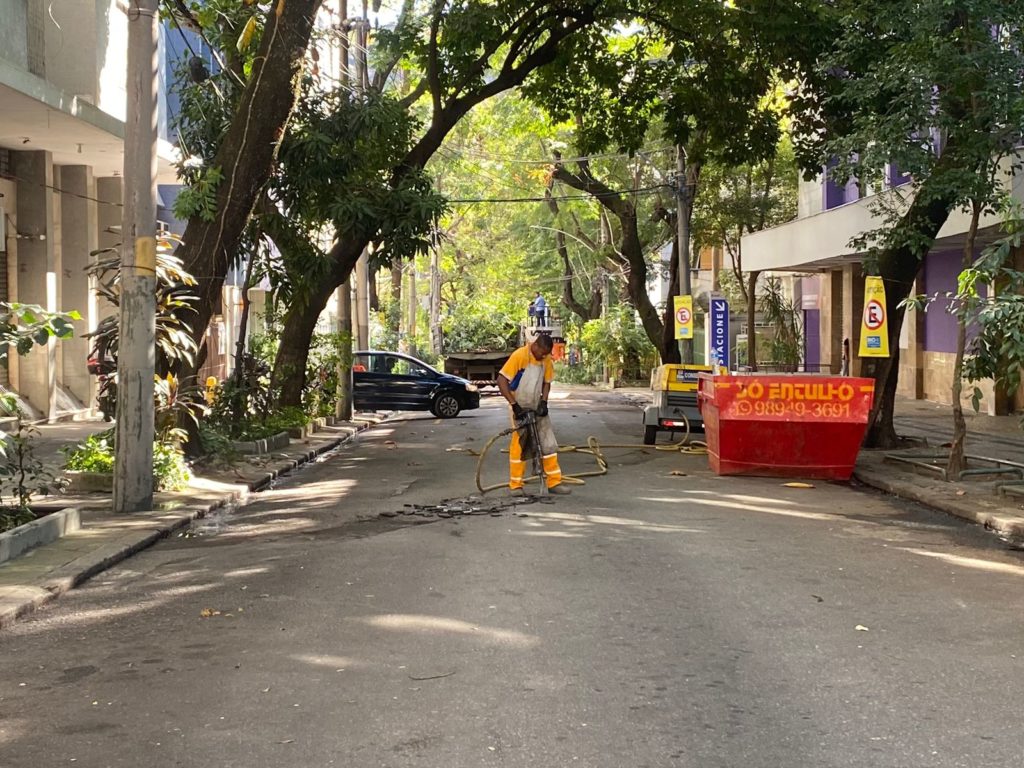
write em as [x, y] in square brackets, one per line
[517, 492]
[559, 490]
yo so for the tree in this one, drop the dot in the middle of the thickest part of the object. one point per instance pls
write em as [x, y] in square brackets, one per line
[330, 175]
[737, 200]
[631, 253]
[935, 94]
[467, 53]
[696, 77]
[243, 139]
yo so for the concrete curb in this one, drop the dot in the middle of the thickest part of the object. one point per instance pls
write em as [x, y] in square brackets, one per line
[38, 532]
[971, 506]
[18, 601]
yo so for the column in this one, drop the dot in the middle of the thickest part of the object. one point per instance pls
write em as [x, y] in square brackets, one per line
[853, 308]
[78, 240]
[109, 191]
[37, 272]
[831, 321]
[911, 382]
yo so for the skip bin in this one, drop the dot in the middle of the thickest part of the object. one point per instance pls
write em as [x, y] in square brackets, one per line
[785, 426]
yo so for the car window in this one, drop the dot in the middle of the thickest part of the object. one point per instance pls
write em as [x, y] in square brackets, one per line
[402, 367]
[360, 364]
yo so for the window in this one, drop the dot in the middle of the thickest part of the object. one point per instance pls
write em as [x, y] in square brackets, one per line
[835, 193]
[403, 367]
[896, 177]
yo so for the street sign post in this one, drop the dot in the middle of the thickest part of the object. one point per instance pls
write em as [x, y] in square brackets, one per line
[718, 336]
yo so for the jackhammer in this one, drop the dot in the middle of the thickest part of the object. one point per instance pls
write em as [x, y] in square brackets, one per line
[529, 439]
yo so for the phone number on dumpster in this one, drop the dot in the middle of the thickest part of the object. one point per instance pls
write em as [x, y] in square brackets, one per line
[798, 409]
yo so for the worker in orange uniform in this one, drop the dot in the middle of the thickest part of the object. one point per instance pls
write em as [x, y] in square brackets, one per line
[525, 382]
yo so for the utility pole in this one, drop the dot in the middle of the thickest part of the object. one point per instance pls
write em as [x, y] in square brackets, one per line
[362, 26]
[412, 306]
[436, 340]
[605, 304]
[136, 356]
[343, 404]
[683, 234]
[343, 293]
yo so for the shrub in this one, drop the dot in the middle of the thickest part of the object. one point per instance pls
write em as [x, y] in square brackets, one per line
[96, 454]
[22, 477]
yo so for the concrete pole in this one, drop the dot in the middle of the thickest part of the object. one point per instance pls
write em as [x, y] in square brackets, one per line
[343, 294]
[363, 300]
[605, 305]
[343, 404]
[683, 235]
[412, 306]
[133, 464]
[362, 266]
[436, 340]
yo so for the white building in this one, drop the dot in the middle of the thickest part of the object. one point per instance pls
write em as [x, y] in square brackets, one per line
[62, 107]
[817, 245]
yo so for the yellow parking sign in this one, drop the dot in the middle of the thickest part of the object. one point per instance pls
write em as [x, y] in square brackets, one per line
[682, 307]
[874, 329]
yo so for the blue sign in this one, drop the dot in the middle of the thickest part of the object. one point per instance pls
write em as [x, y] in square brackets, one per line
[718, 344]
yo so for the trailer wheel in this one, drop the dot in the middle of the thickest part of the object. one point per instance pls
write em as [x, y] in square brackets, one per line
[650, 434]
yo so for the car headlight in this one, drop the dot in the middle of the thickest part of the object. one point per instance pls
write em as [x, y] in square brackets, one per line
[472, 388]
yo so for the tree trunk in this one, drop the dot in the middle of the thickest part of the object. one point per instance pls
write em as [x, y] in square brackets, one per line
[669, 347]
[243, 327]
[289, 374]
[899, 267]
[395, 306]
[752, 319]
[247, 155]
[957, 462]
[372, 293]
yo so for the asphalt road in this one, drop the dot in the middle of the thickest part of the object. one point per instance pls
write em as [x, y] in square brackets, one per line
[650, 619]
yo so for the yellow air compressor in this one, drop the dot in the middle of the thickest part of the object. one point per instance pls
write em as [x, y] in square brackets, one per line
[675, 400]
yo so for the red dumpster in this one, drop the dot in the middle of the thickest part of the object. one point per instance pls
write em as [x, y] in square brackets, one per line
[785, 426]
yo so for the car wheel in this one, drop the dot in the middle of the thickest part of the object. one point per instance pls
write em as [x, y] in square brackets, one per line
[446, 406]
[650, 435]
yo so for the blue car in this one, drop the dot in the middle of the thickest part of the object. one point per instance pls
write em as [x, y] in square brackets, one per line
[391, 381]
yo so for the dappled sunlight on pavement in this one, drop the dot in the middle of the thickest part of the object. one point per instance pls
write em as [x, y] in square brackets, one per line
[438, 625]
[969, 562]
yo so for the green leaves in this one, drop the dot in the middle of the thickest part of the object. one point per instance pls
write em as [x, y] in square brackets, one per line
[23, 326]
[200, 197]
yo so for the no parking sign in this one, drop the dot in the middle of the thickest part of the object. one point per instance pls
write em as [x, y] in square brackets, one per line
[682, 307]
[874, 331]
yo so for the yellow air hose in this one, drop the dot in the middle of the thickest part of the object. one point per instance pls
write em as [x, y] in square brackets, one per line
[595, 449]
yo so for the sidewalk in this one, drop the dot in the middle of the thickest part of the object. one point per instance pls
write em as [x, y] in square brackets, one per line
[106, 538]
[997, 437]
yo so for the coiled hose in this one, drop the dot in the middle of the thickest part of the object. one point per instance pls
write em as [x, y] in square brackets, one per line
[594, 448]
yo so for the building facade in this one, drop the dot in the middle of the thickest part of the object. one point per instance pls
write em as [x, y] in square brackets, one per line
[827, 282]
[62, 109]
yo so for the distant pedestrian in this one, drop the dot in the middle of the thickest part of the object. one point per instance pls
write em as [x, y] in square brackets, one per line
[845, 370]
[539, 309]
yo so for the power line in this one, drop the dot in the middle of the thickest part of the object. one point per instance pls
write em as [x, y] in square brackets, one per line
[553, 161]
[599, 195]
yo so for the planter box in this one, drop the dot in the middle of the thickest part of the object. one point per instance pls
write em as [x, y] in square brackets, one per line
[89, 482]
[46, 529]
[298, 433]
[266, 445]
[319, 423]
